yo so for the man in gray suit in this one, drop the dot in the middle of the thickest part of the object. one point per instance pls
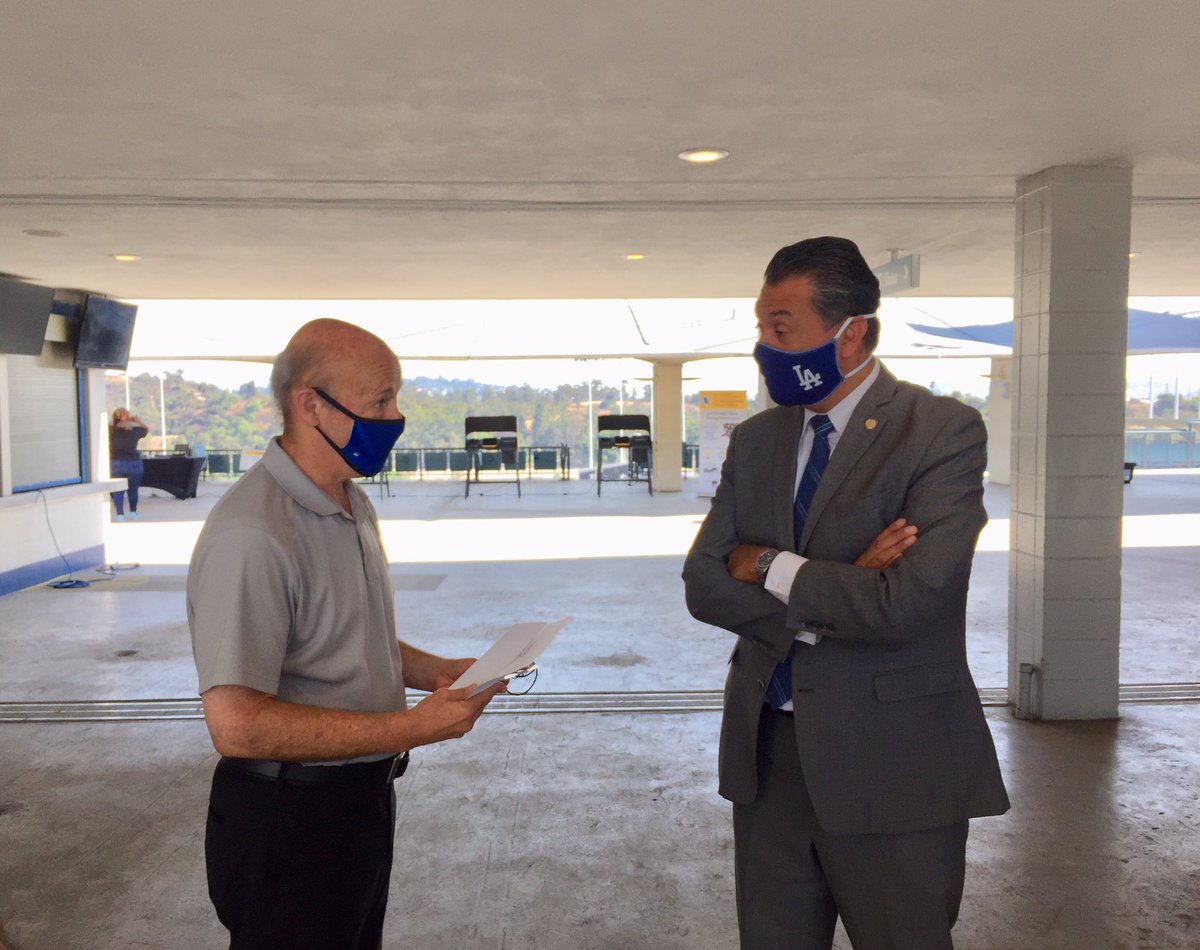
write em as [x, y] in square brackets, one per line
[838, 548]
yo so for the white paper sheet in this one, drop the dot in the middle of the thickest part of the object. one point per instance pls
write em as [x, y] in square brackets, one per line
[517, 648]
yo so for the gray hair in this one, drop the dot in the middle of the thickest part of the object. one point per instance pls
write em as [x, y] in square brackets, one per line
[298, 363]
[320, 353]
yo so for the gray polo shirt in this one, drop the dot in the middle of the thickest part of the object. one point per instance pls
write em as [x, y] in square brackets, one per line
[289, 595]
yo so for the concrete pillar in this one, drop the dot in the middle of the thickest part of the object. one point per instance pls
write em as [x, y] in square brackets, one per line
[763, 400]
[1068, 387]
[666, 426]
[6, 481]
[999, 421]
[96, 414]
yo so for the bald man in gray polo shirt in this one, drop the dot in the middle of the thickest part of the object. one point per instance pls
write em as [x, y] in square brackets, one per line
[302, 676]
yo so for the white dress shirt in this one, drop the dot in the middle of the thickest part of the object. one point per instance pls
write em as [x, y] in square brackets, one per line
[783, 569]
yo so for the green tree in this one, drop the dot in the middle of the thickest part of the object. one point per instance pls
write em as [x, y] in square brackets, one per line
[202, 414]
[975, 402]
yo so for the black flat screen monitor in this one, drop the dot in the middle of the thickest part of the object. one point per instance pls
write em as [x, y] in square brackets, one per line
[24, 313]
[105, 335]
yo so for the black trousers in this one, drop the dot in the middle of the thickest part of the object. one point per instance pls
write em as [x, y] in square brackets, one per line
[793, 879]
[299, 867]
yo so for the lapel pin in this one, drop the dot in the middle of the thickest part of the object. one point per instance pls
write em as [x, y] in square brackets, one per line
[871, 424]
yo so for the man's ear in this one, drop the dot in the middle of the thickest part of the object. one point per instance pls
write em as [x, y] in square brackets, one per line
[304, 405]
[855, 335]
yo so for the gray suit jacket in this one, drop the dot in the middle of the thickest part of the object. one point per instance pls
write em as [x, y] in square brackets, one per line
[889, 727]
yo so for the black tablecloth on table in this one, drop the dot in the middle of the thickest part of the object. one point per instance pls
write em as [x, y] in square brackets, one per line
[178, 474]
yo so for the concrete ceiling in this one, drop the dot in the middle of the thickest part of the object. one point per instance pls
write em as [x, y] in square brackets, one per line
[365, 149]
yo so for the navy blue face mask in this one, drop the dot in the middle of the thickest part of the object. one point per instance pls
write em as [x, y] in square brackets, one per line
[804, 377]
[371, 440]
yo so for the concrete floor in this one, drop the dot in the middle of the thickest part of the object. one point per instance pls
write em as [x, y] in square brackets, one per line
[577, 830]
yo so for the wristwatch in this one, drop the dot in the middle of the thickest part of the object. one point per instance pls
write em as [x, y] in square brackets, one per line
[762, 563]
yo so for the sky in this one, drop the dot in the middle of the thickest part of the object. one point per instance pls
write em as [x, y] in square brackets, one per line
[472, 329]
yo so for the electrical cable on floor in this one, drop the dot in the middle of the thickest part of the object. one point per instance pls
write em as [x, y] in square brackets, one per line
[111, 569]
[70, 583]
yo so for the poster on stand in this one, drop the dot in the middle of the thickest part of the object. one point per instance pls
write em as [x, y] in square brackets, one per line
[720, 411]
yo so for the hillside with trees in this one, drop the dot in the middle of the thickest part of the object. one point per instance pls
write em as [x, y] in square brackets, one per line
[202, 414]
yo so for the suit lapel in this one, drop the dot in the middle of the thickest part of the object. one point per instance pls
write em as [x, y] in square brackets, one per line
[783, 487]
[866, 423]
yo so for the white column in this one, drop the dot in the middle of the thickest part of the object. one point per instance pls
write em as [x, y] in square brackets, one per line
[96, 413]
[5, 432]
[999, 421]
[1068, 387]
[666, 426]
[763, 400]
[162, 409]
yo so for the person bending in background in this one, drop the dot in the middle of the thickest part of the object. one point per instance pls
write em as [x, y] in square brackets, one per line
[124, 458]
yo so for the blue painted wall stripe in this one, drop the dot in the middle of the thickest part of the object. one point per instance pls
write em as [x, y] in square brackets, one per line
[29, 575]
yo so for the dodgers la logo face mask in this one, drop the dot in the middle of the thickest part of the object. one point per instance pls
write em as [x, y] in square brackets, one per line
[804, 377]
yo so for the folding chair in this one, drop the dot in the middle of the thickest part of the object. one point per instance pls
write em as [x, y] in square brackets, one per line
[491, 446]
[631, 436]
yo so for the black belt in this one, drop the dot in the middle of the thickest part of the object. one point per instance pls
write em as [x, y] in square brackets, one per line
[380, 772]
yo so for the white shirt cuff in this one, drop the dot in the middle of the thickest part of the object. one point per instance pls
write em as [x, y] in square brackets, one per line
[778, 583]
[781, 574]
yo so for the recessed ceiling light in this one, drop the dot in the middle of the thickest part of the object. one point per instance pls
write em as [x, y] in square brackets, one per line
[703, 156]
[125, 258]
[44, 233]
[635, 257]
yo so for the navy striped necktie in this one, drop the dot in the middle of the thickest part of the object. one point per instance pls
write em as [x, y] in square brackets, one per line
[779, 690]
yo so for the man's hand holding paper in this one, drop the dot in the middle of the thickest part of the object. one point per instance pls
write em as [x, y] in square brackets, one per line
[516, 650]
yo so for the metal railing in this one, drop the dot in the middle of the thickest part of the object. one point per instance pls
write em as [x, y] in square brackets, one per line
[452, 462]
[1173, 447]
[224, 462]
[442, 462]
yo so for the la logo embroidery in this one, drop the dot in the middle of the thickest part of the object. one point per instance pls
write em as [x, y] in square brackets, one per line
[808, 379]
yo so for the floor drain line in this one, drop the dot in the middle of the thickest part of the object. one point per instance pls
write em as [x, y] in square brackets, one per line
[666, 701]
